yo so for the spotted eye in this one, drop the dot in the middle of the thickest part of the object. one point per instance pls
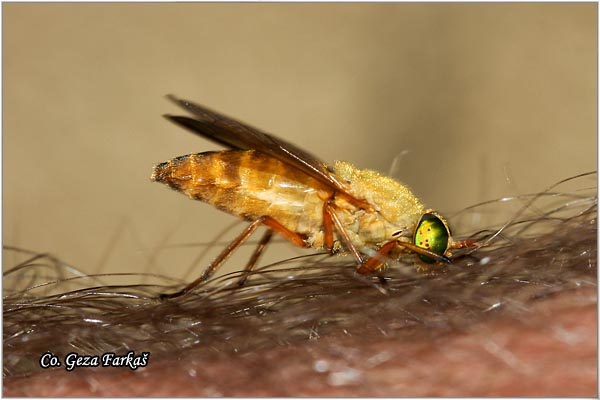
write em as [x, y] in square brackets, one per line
[433, 234]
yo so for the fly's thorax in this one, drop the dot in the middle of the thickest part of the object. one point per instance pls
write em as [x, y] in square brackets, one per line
[393, 200]
[368, 230]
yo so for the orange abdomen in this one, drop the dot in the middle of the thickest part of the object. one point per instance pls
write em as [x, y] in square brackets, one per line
[248, 184]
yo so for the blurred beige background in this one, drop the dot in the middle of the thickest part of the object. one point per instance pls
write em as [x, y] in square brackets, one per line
[487, 100]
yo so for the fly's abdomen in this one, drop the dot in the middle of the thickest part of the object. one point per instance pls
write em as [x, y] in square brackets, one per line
[249, 184]
[204, 176]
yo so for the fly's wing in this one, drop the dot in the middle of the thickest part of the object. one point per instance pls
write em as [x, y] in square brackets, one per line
[237, 135]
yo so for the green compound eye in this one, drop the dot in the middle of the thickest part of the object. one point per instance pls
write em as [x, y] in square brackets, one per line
[431, 234]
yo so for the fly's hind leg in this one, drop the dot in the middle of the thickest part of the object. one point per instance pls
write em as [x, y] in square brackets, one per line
[260, 248]
[271, 223]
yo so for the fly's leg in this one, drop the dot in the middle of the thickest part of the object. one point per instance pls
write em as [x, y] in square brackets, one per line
[328, 226]
[374, 262]
[378, 259]
[255, 256]
[330, 211]
[271, 223]
[330, 218]
[237, 242]
[462, 244]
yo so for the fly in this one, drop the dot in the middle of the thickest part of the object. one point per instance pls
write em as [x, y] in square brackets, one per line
[268, 181]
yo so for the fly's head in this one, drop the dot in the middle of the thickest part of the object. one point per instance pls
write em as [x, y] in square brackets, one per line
[433, 234]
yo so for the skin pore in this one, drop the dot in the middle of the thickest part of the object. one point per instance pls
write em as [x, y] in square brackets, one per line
[517, 318]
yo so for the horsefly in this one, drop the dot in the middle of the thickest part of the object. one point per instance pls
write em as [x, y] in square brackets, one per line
[268, 181]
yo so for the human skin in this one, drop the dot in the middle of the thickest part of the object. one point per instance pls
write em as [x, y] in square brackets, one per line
[515, 320]
[552, 353]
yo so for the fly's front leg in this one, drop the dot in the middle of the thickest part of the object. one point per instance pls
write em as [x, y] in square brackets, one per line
[463, 244]
[329, 209]
[363, 266]
[271, 223]
[375, 262]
